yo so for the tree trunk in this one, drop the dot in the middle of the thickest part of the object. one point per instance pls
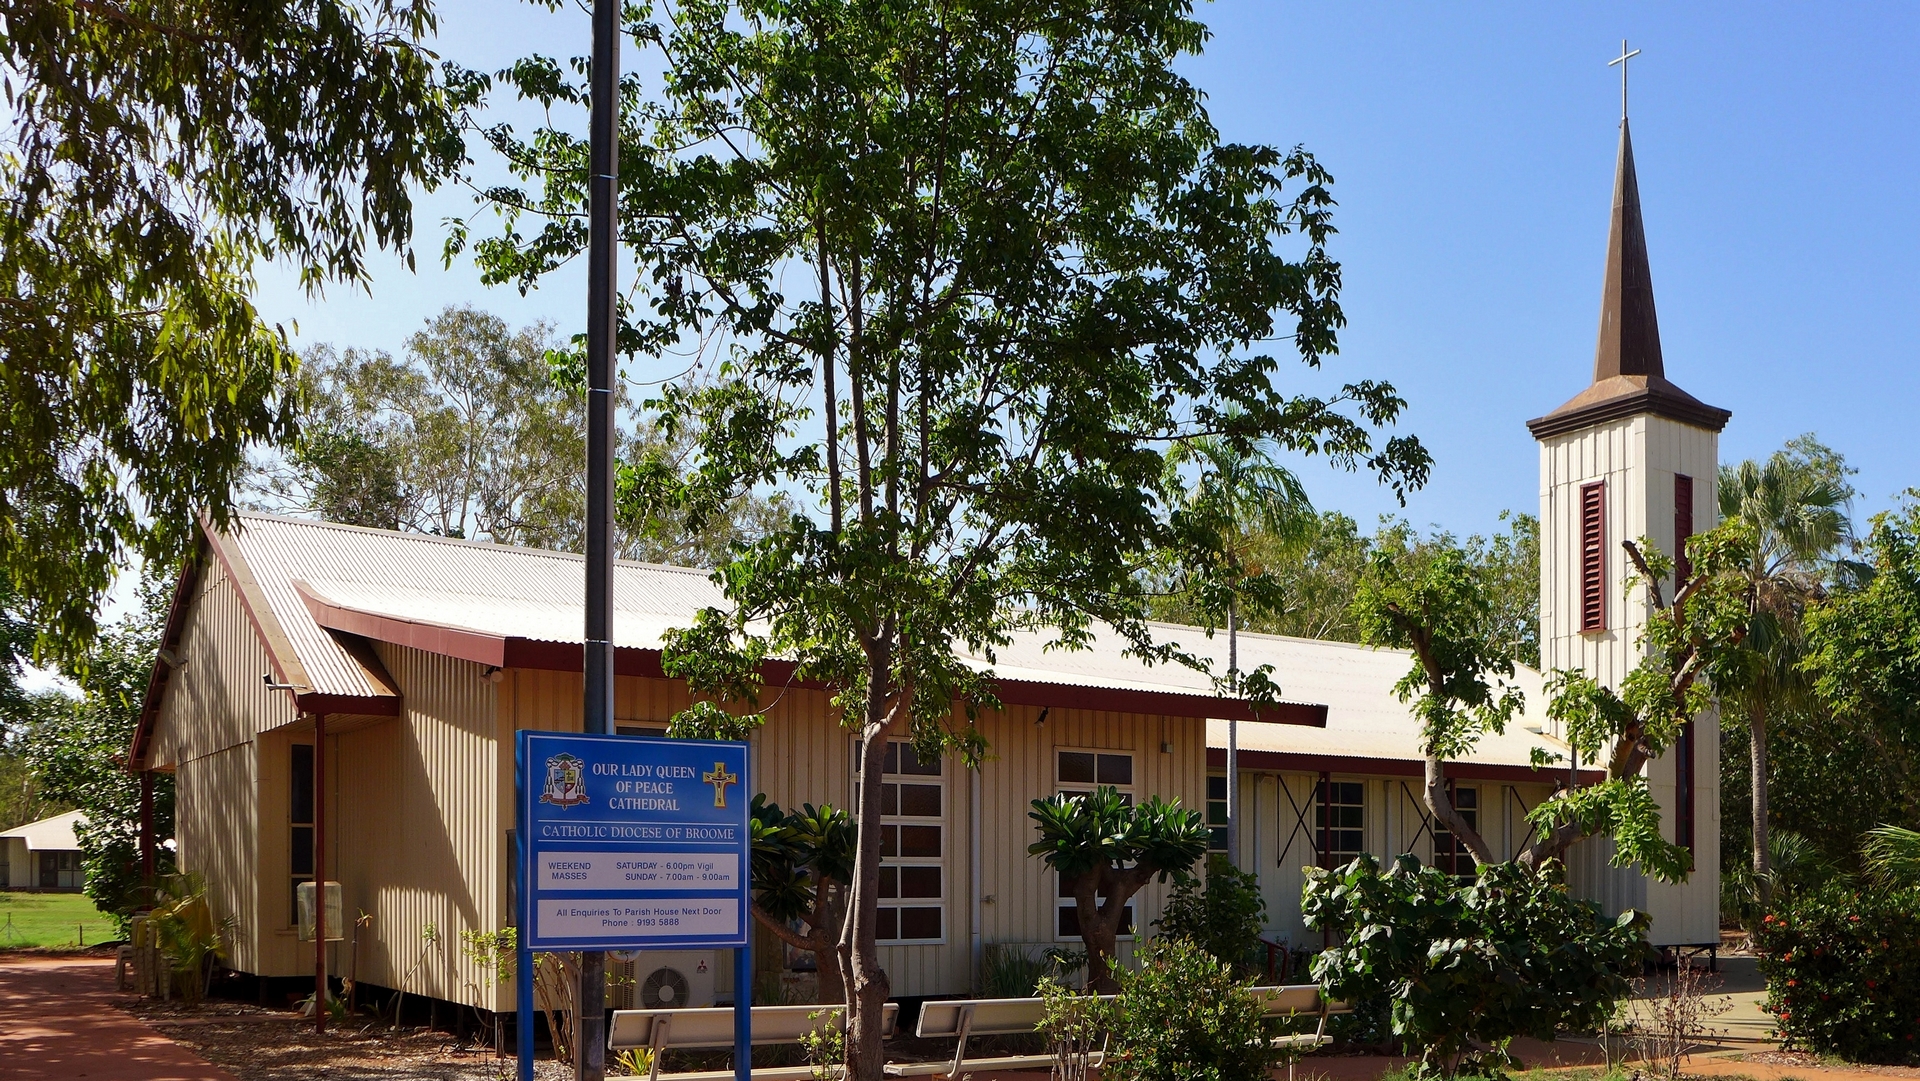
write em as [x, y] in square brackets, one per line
[868, 985]
[1100, 932]
[1441, 807]
[1762, 853]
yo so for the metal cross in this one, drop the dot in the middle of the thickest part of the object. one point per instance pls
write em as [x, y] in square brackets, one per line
[1622, 61]
[719, 778]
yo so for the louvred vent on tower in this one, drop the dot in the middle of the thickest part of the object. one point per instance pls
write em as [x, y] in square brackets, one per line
[1593, 556]
[1682, 528]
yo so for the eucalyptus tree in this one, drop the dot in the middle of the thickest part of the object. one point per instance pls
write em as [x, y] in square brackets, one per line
[156, 149]
[1795, 507]
[1245, 497]
[960, 277]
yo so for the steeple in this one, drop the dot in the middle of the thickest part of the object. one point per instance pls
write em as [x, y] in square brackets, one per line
[1629, 330]
[1629, 374]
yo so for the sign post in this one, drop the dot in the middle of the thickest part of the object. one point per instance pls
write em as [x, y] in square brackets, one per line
[633, 843]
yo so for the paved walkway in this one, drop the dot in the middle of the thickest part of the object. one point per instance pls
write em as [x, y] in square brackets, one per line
[58, 1023]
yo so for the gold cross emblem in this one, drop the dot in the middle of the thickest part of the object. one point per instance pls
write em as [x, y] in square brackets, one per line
[719, 778]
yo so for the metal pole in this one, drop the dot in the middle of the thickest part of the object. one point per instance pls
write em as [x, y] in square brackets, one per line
[320, 872]
[743, 1012]
[523, 921]
[1233, 738]
[602, 251]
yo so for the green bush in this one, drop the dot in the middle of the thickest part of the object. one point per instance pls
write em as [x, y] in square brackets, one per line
[1510, 954]
[1184, 1016]
[1843, 972]
[1224, 918]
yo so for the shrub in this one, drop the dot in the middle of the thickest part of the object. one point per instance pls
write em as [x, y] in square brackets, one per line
[1843, 972]
[1511, 954]
[1183, 1016]
[1224, 919]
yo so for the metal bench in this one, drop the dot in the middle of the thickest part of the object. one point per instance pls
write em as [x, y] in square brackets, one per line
[1300, 1000]
[960, 1019]
[663, 1030]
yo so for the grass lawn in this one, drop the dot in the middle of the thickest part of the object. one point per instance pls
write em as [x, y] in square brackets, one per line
[51, 919]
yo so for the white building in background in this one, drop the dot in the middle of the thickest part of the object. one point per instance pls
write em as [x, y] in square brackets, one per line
[42, 855]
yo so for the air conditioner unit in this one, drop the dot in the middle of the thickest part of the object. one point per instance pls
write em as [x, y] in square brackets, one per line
[336, 920]
[673, 979]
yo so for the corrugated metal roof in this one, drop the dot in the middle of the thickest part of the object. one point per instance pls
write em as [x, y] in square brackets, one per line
[1364, 717]
[50, 834]
[527, 593]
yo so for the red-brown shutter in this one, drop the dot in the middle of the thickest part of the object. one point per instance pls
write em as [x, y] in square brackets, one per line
[1682, 527]
[1593, 556]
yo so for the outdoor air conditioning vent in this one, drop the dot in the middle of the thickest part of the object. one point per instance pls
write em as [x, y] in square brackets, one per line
[677, 980]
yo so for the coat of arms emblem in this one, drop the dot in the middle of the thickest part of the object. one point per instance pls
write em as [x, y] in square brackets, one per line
[566, 781]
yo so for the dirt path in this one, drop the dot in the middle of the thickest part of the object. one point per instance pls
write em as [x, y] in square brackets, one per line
[58, 1022]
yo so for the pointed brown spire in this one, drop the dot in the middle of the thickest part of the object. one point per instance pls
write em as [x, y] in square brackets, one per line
[1629, 375]
[1629, 330]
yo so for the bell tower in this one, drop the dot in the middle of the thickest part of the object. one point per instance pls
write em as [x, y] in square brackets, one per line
[1631, 456]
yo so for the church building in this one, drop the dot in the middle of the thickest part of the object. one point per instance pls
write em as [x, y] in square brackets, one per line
[341, 702]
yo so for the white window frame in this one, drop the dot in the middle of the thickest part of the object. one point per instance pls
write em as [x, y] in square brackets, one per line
[1217, 831]
[1129, 790]
[1313, 813]
[897, 861]
[1472, 814]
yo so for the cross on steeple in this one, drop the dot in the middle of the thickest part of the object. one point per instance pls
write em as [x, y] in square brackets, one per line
[1622, 61]
[719, 778]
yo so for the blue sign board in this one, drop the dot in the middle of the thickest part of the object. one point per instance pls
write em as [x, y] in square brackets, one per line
[633, 842]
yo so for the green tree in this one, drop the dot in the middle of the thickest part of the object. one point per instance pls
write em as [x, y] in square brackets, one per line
[1240, 492]
[1794, 505]
[158, 149]
[1224, 915]
[78, 747]
[1105, 848]
[1430, 603]
[1467, 968]
[964, 276]
[1315, 576]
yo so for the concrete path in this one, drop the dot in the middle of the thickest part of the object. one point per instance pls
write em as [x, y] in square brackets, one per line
[58, 1023]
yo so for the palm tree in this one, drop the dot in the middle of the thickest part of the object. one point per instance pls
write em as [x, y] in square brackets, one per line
[1242, 494]
[1893, 856]
[1798, 513]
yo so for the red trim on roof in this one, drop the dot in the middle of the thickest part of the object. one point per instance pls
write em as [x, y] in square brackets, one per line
[1292, 762]
[502, 651]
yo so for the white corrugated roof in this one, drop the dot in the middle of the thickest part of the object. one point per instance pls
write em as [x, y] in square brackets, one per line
[527, 593]
[1364, 717]
[50, 834]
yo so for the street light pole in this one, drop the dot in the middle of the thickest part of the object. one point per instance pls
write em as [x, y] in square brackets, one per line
[603, 184]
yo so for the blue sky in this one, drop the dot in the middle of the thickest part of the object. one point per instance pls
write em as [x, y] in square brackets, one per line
[1473, 150]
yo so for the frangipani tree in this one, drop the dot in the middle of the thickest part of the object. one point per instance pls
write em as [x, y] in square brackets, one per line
[1458, 689]
[1105, 849]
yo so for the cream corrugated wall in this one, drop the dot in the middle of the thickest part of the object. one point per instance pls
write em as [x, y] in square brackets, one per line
[1280, 847]
[415, 830]
[1020, 769]
[213, 708]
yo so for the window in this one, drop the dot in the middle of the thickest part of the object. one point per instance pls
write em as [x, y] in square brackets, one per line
[1682, 527]
[912, 846]
[300, 820]
[1449, 854]
[636, 729]
[1217, 813]
[1082, 772]
[60, 871]
[1593, 556]
[1341, 835]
